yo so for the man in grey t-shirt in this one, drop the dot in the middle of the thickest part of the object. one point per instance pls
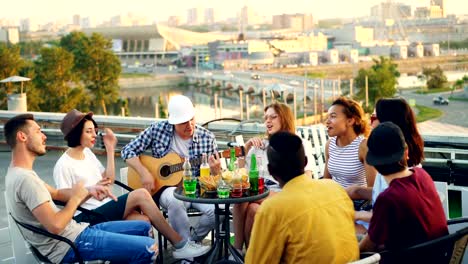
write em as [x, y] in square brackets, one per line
[30, 201]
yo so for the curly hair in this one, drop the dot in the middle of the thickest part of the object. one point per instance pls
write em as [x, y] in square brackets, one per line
[353, 109]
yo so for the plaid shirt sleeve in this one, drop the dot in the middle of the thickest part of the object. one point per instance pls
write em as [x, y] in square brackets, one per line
[205, 143]
[141, 143]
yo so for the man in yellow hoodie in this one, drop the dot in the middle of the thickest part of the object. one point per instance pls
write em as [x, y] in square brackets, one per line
[309, 221]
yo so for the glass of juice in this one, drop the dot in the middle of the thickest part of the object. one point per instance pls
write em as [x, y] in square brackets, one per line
[190, 186]
[261, 184]
[236, 190]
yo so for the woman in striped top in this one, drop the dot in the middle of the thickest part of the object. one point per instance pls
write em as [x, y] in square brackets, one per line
[346, 149]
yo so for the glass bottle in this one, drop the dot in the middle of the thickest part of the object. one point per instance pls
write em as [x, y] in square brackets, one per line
[204, 167]
[253, 174]
[190, 182]
[236, 182]
[232, 160]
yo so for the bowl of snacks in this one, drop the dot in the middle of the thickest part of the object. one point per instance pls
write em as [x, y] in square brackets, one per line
[208, 185]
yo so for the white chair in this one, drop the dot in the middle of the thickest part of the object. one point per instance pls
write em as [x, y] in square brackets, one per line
[373, 259]
[304, 134]
[442, 190]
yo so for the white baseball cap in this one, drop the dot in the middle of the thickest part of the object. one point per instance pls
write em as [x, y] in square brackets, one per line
[180, 109]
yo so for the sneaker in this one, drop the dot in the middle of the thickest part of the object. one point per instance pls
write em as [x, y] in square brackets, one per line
[190, 250]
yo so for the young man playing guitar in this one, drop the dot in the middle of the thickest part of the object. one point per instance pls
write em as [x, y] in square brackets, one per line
[178, 134]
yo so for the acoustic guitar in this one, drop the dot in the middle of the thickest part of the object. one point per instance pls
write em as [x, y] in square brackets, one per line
[167, 171]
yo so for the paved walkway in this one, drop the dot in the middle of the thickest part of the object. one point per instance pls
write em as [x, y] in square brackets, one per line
[438, 128]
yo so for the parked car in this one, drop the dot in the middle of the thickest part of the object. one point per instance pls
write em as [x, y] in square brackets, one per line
[439, 100]
[255, 77]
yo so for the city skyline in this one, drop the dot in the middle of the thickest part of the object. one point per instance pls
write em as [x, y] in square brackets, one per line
[102, 10]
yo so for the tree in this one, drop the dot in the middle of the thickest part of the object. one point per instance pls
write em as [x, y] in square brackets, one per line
[382, 80]
[99, 68]
[57, 82]
[10, 64]
[435, 77]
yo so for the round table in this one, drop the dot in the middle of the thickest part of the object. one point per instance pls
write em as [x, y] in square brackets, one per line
[222, 246]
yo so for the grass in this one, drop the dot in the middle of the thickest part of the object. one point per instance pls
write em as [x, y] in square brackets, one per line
[436, 90]
[426, 113]
[134, 75]
[465, 99]
[316, 75]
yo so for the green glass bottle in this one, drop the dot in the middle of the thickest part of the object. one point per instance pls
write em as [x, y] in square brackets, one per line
[232, 160]
[253, 174]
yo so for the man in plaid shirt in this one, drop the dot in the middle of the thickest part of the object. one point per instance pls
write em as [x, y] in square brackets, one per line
[181, 135]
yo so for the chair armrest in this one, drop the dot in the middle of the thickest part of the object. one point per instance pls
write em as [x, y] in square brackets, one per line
[457, 220]
[99, 218]
[126, 187]
[48, 234]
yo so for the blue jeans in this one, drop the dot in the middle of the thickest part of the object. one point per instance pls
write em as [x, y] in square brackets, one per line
[116, 241]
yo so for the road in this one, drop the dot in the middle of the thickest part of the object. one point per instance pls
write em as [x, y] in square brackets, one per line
[455, 113]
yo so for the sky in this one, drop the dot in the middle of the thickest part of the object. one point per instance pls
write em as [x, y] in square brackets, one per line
[99, 10]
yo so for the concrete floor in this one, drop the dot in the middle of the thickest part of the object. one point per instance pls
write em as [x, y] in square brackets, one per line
[44, 167]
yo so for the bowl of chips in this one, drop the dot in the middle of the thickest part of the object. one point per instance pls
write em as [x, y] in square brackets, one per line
[208, 185]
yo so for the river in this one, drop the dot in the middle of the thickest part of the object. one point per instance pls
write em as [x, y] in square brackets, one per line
[143, 101]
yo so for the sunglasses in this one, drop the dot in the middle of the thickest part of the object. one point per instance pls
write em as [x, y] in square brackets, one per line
[373, 117]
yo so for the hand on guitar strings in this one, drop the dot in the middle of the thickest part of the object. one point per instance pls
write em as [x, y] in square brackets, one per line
[215, 163]
[147, 181]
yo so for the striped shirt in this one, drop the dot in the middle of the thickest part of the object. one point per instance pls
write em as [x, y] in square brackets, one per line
[344, 165]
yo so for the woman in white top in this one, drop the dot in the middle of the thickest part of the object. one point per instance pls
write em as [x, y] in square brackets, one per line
[79, 163]
[278, 117]
[399, 112]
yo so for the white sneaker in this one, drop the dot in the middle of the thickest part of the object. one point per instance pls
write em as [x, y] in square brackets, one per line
[190, 250]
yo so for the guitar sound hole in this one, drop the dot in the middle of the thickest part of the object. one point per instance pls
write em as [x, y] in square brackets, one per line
[165, 171]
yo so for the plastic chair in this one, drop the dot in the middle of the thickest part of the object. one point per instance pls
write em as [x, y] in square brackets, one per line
[372, 259]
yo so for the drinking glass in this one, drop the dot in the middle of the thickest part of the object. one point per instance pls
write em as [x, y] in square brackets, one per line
[223, 190]
[190, 186]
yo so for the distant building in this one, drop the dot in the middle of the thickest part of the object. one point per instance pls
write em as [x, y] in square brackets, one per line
[86, 22]
[174, 21]
[391, 10]
[127, 21]
[9, 35]
[436, 11]
[441, 4]
[248, 17]
[421, 12]
[210, 16]
[76, 20]
[194, 16]
[120, 21]
[297, 22]
[28, 25]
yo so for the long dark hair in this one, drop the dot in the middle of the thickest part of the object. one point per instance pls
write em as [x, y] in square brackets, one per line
[398, 111]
